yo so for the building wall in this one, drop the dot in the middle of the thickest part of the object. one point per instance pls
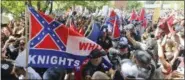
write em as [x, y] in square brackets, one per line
[120, 4]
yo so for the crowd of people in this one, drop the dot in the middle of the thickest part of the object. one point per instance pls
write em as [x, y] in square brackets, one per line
[152, 54]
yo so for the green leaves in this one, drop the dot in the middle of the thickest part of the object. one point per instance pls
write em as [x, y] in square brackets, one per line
[90, 5]
[14, 7]
[18, 7]
[134, 4]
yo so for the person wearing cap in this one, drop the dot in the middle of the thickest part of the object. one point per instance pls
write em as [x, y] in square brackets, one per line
[145, 64]
[128, 71]
[143, 45]
[122, 51]
[105, 41]
[132, 30]
[7, 70]
[122, 48]
[94, 68]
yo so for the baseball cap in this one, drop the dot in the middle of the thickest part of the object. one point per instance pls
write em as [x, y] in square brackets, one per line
[96, 53]
[128, 69]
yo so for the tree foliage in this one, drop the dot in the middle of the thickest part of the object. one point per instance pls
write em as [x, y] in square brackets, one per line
[172, 3]
[14, 7]
[134, 4]
[90, 5]
[18, 7]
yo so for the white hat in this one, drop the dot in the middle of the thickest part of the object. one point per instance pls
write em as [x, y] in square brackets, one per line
[129, 69]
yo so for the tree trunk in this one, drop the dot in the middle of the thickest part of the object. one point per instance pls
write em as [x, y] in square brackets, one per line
[51, 8]
[46, 6]
[29, 2]
[38, 5]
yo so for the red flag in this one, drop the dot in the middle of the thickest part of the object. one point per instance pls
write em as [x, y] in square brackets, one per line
[144, 23]
[113, 20]
[112, 17]
[166, 24]
[116, 31]
[81, 31]
[115, 23]
[142, 15]
[142, 18]
[170, 24]
[137, 18]
[112, 14]
[133, 15]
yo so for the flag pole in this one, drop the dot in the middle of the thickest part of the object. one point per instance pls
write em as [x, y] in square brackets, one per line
[90, 25]
[27, 36]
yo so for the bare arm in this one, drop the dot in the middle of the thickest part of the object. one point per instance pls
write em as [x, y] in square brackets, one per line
[130, 38]
[7, 42]
[176, 53]
[135, 43]
[163, 61]
[164, 40]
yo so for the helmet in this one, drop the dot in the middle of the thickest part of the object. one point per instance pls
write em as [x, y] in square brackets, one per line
[123, 43]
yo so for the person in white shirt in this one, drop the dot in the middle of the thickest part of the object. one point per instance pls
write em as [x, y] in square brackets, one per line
[21, 73]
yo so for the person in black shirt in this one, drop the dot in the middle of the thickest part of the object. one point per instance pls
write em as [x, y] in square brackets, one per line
[105, 41]
[94, 66]
[7, 69]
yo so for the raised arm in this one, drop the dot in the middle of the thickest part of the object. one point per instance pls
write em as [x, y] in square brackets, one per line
[162, 59]
[130, 38]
